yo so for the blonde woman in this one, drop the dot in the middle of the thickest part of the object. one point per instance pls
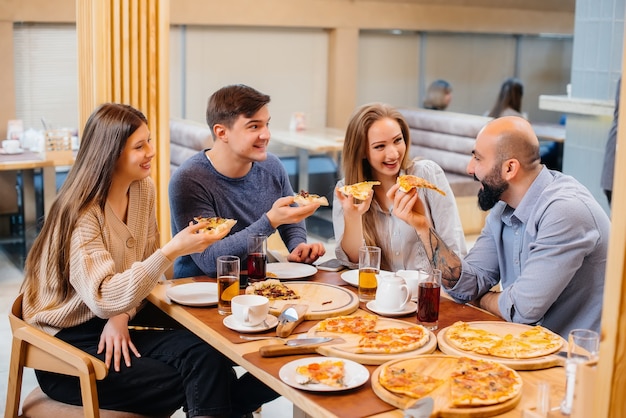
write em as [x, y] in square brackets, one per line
[377, 148]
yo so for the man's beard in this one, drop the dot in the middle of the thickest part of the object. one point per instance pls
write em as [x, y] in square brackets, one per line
[493, 187]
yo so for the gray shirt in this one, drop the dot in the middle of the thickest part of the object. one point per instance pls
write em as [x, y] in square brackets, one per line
[197, 189]
[549, 254]
[399, 240]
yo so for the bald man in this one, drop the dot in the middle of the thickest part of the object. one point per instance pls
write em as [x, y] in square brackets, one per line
[545, 239]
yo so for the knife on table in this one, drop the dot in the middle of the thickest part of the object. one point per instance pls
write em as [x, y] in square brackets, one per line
[293, 346]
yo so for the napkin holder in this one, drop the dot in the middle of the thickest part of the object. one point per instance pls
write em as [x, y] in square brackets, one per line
[58, 146]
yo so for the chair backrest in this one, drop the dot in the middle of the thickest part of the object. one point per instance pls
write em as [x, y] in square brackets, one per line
[35, 349]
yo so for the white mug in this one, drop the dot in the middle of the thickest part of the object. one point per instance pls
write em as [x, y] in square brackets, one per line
[250, 310]
[392, 293]
[11, 146]
[412, 279]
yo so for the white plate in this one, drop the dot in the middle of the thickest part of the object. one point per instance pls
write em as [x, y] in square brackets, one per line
[355, 374]
[290, 270]
[409, 308]
[231, 323]
[194, 294]
[352, 276]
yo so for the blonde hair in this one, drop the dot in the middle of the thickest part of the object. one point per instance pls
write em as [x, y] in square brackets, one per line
[357, 168]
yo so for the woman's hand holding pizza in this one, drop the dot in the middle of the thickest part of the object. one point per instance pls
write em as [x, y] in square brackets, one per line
[351, 209]
[282, 213]
[191, 240]
[408, 207]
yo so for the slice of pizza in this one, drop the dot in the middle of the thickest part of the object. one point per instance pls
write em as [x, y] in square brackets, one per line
[330, 373]
[468, 338]
[359, 191]
[481, 382]
[355, 324]
[216, 224]
[393, 340]
[305, 198]
[406, 382]
[408, 182]
[272, 289]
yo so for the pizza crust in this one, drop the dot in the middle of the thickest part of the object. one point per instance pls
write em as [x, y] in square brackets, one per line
[216, 225]
[359, 191]
[305, 198]
[408, 182]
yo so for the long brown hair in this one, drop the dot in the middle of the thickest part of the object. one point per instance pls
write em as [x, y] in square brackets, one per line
[511, 93]
[357, 168]
[88, 182]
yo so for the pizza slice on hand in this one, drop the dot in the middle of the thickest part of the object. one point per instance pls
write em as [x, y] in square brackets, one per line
[359, 191]
[305, 198]
[216, 224]
[408, 182]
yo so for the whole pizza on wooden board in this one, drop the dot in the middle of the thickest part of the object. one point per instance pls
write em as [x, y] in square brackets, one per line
[460, 386]
[522, 347]
[369, 339]
[323, 300]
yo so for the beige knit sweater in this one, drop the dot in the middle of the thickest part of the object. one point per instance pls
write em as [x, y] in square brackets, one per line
[113, 265]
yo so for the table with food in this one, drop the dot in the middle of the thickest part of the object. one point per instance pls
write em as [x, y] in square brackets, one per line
[331, 355]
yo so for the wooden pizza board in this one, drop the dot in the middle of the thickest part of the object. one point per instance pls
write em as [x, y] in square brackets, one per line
[347, 343]
[323, 300]
[438, 366]
[502, 328]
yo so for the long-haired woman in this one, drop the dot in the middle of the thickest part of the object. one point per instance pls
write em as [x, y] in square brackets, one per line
[93, 264]
[376, 148]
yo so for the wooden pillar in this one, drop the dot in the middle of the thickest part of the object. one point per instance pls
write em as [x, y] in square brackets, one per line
[343, 64]
[608, 395]
[123, 57]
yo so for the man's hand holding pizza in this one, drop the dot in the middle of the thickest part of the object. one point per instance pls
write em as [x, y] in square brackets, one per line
[282, 213]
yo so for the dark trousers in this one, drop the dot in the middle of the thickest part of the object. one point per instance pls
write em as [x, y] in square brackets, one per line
[176, 368]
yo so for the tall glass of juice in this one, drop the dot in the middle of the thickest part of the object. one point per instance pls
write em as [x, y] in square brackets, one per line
[369, 267]
[227, 282]
[428, 295]
[257, 257]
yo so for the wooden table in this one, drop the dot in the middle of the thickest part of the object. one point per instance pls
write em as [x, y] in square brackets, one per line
[27, 163]
[327, 140]
[207, 323]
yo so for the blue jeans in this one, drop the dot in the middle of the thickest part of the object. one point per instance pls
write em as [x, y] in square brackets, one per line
[176, 368]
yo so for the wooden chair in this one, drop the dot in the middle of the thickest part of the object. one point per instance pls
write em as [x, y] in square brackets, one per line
[35, 349]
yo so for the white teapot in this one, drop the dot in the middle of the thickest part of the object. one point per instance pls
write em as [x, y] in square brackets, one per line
[392, 293]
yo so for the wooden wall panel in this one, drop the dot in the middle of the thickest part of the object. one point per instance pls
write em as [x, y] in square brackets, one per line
[123, 57]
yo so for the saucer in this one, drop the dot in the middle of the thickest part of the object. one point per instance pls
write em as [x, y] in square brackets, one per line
[231, 323]
[409, 308]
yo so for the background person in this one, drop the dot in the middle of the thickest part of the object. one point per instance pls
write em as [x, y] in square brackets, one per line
[93, 264]
[608, 168]
[376, 147]
[238, 179]
[545, 239]
[438, 95]
[509, 100]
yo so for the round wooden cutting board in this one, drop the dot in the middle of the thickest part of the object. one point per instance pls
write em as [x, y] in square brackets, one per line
[502, 328]
[440, 367]
[323, 300]
[345, 349]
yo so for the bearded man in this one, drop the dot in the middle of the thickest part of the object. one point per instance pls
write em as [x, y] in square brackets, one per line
[545, 239]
